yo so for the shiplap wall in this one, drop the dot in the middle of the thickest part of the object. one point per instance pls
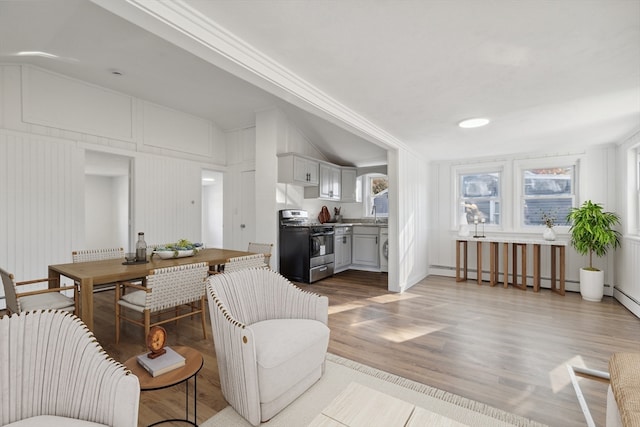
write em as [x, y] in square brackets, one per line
[42, 167]
[596, 175]
[42, 202]
[166, 195]
[627, 280]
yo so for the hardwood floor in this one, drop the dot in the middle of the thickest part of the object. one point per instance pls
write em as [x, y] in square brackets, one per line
[504, 347]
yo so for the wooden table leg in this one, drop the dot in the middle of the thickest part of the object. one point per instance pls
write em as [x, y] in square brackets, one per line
[536, 267]
[562, 271]
[493, 263]
[479, 261]
[54, 275]
[459, 243]
[505, 263]
[523, 252]
[554, 268]
[86, 295]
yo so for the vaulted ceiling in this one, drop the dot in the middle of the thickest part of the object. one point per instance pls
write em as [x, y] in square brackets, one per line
[359, 76]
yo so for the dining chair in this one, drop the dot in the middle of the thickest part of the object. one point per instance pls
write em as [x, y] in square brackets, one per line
[270, 339]
[55, 373]
[88, 255]
[32, 299]
[263, 248]
[171, 293]
[241, 263]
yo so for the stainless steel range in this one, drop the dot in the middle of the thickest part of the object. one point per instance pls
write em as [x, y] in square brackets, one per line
[306, 248]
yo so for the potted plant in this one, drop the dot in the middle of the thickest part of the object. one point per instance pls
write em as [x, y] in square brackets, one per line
[592, 232]
[549, 220]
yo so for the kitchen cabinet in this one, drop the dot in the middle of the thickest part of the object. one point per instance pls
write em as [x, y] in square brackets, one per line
[298, 170]
[365, 251]
[342, 249]
[348, 184]
[329, 187]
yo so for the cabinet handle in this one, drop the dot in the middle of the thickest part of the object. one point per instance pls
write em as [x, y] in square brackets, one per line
[344, 240]
[376, 240]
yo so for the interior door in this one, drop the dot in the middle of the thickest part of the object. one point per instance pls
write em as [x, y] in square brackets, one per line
[246, 231]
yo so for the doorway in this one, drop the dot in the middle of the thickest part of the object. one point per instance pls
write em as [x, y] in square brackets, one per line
[212, 208]
[107, 201]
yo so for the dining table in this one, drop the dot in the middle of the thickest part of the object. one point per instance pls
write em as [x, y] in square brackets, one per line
[91, 273]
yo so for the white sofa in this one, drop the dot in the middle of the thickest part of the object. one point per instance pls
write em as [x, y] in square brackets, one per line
[53, 372]
[270, 337]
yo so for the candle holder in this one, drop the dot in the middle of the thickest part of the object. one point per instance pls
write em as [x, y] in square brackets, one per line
[475, 223]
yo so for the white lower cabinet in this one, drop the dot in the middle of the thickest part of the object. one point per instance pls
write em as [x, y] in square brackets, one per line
[366, 252]
[342, 249]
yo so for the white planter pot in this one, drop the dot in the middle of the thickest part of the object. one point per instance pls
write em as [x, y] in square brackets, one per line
[591, 284]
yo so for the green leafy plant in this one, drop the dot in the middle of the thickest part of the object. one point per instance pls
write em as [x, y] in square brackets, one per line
[592, 230]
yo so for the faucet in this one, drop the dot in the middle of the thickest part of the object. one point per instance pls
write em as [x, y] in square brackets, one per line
[375, 216]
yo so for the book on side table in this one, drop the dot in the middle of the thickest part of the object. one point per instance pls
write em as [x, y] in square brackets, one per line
[161, 364]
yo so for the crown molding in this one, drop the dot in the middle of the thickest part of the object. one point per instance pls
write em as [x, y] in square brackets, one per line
[198, 34]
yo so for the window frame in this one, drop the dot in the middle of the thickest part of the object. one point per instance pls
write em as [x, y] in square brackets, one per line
[488, 168]
[520, 196]
[365, 194]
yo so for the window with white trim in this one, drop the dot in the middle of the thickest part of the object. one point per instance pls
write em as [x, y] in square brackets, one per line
[547, 192]
[480, 197]
[375, 192]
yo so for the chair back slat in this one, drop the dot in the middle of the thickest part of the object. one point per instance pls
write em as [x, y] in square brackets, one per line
[10, 292]
[244, 262]
[173, 286]
[262, 248]
[97, 254]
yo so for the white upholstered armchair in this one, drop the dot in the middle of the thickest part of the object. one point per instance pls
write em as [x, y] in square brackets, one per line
[53, 372]
[270, 338]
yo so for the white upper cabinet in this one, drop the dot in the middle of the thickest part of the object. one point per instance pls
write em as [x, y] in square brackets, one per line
[299, 170]
[330, 184]
[348, 184]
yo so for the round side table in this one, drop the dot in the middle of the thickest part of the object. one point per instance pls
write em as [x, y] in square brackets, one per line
[193, 363]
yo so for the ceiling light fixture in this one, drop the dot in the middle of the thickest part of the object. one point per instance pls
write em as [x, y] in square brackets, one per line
[36, 53]
[473, 123]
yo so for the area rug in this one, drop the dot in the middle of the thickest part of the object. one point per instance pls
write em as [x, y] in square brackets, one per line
[340, 372]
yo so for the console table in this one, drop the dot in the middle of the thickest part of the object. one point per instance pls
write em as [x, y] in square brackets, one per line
[518, 247]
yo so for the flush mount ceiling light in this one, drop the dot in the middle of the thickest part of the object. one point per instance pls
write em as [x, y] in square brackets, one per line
[36, 53]
[473, 123]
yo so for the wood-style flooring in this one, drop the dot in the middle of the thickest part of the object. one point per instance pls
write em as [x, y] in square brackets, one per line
[505, 347]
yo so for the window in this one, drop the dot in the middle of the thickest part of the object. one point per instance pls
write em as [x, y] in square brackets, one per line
[375, 193]
[480, 197]
[547, 191]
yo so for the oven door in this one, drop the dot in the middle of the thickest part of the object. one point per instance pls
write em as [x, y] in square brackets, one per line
[321, 244]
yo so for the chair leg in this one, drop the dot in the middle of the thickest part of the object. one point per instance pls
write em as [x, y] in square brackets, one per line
[147, 322]
[76, 301]
[204, 330]
[117, 310]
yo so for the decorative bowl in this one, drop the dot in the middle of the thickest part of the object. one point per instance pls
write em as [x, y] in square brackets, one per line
[174, 254]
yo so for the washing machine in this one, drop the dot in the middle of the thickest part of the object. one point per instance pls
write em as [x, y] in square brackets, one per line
[384, 249]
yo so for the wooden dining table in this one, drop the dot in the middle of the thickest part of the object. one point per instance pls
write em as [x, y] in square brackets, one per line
[93, 273]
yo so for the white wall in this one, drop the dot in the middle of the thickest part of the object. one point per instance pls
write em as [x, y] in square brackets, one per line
[103, 213]
[409, 199]
[596, 181]
[42, 165]
[627, 278]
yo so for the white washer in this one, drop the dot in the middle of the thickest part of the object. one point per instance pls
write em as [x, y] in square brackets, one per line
[384, 249]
